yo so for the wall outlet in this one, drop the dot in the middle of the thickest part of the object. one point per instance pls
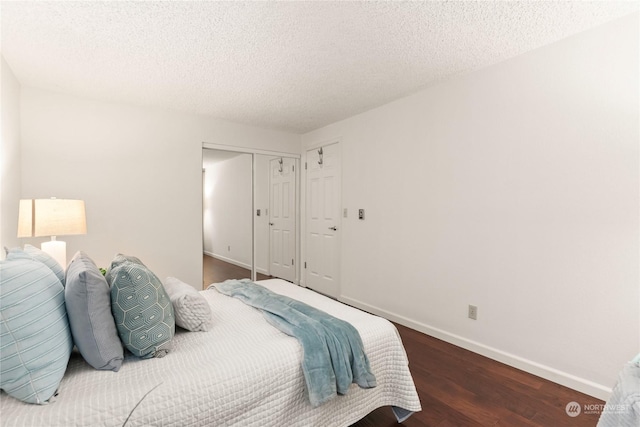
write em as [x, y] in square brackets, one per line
[360, 213]
[473, 312]
[345, 212]
[228, 248]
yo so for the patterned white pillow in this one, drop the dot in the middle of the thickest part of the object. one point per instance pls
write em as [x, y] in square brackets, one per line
[192, 311]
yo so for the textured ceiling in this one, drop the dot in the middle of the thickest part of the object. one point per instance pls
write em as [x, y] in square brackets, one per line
[293, 66]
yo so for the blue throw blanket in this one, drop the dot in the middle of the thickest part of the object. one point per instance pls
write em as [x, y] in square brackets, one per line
[333, 354]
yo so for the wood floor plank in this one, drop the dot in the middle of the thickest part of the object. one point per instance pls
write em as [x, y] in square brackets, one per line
[216, 271]
[456, 396]
[460, 388]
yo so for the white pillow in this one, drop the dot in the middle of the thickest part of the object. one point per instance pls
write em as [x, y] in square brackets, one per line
[191, 309]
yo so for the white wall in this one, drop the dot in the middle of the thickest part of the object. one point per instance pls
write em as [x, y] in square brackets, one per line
[139, 171]
[514, 188]
[228, 199]
[10, 176]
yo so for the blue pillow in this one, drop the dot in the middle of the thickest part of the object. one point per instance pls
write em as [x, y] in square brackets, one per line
[31, 252]
[34, 332]
[88, 303]
[142, 310]
[46, 259]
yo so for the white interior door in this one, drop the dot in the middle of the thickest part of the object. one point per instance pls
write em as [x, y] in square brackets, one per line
[323, 220]
[282, 220]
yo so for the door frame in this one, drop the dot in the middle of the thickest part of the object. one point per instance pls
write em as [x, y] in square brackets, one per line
[303, 206]
[253, 152]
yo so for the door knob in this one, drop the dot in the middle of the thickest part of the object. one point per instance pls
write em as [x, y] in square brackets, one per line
[271, 223]
[333, 228]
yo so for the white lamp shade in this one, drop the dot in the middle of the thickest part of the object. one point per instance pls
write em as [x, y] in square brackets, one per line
[25, 218]
[51, 217]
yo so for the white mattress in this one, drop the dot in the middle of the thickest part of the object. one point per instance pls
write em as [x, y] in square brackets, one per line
[242, 372]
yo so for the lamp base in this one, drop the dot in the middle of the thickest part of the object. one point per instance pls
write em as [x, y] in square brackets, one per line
[58, 251]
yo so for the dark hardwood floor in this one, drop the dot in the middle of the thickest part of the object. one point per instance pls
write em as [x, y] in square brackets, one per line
[216, 271]
[460, 388]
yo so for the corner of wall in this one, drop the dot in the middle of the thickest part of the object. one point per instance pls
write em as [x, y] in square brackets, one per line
[10, 163]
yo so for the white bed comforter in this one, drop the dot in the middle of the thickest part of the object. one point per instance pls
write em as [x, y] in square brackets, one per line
[242, 372]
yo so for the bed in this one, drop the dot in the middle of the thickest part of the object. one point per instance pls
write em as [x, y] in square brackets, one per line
[623, 406]
[242, 372]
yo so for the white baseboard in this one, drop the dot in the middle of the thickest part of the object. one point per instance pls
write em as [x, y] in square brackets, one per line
[238, 263]
[563, 378]
[229, 260]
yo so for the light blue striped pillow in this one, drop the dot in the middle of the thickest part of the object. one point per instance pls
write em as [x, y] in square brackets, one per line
[35, 340]
[31, 252]
[46, 259]
[142, 310]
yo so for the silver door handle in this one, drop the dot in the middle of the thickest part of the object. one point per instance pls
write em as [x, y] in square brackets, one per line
[333, 228]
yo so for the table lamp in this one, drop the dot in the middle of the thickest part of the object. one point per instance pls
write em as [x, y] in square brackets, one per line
[52, 217]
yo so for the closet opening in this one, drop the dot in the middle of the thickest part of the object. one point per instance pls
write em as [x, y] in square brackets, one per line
[249, 215]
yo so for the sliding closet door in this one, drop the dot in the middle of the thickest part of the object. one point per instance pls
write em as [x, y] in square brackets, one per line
[227, 216]
[250, 215]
